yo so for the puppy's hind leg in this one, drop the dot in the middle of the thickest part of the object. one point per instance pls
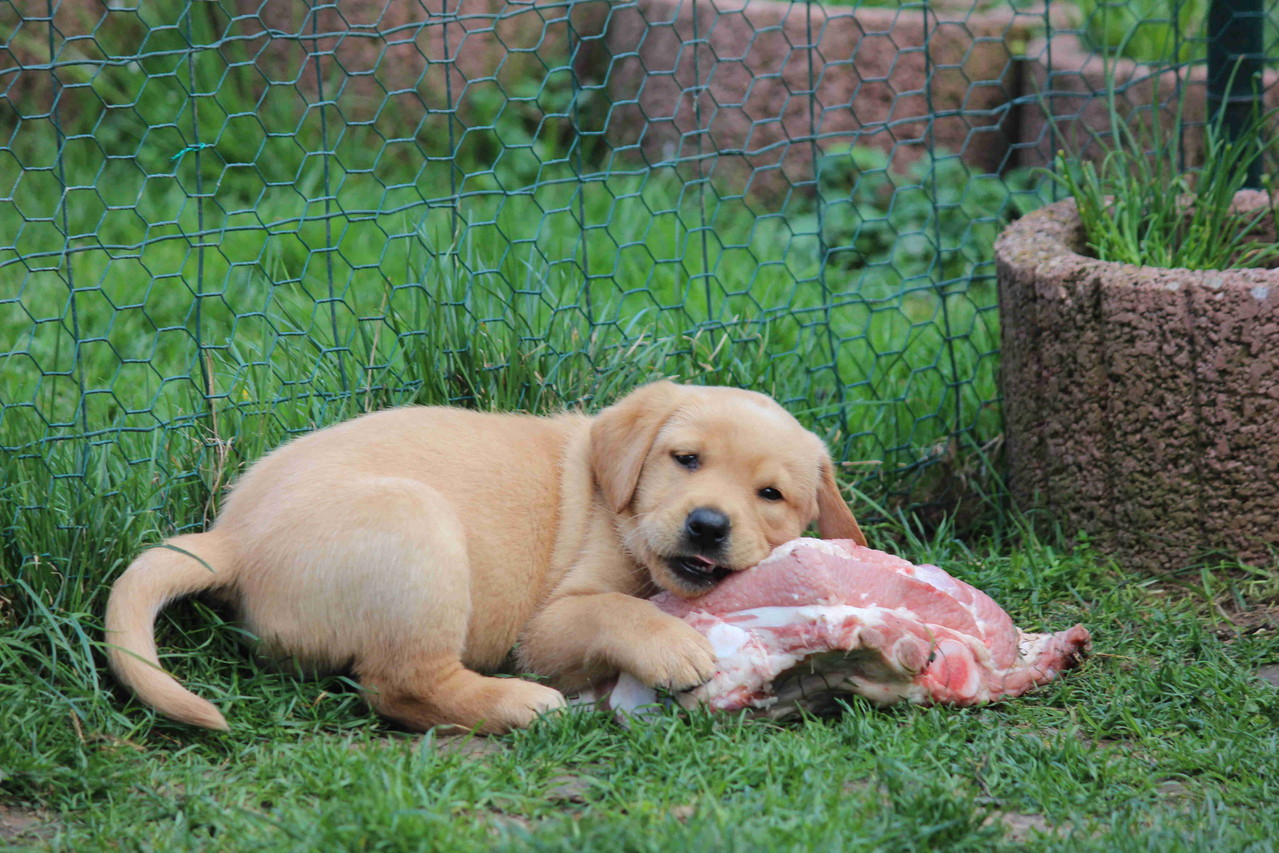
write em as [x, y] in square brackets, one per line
[441, 691]
[411, 665]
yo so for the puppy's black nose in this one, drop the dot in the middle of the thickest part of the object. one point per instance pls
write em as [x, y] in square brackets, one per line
[706, 527]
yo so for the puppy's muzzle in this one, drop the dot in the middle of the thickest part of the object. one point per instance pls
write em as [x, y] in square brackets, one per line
[705, 535]
[707, 529]
[697, 572]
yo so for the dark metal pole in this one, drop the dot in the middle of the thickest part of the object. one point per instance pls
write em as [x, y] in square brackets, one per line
[1235, 52]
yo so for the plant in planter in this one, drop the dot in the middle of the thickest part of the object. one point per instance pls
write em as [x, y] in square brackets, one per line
[1140, 208]
[1140, 325]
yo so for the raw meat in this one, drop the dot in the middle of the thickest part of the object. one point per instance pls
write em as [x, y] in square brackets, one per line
[818, 620]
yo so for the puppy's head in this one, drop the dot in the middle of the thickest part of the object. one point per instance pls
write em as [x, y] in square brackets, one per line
[707, 481]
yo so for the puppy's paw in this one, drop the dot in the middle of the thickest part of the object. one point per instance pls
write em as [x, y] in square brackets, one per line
[522, 702]
[677, 658]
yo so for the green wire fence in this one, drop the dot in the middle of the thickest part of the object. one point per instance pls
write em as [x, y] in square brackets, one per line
[224, 222]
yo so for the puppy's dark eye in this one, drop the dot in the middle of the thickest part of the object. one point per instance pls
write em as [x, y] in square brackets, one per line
[691, 461]
[770, 494]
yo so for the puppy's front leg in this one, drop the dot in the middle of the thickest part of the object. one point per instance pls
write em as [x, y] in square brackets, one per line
[579, 640]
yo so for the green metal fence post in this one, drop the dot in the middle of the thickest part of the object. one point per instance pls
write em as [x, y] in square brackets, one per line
[1235, 49]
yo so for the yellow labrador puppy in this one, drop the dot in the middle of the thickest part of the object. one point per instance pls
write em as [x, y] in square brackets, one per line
[414, 547]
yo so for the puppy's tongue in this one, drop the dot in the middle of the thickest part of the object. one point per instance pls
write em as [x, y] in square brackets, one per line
[709, 564]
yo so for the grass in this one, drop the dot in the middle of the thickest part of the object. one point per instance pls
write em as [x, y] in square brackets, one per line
[1164, 740]
[217, 299]
[1161, 31]
[251, 289]
[1148, 30]
[496, 315]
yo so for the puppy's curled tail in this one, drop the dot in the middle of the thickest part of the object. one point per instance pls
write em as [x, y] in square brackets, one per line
[181, 566]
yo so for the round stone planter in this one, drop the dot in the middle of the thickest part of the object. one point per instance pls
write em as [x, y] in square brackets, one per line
[1141, 404]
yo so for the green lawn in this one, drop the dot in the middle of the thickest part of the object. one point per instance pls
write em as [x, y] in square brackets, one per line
[1164, 740]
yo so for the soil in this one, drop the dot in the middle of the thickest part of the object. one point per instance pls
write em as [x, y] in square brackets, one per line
[20, 823]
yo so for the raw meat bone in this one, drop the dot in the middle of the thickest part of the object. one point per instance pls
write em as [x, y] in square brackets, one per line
[820, 620]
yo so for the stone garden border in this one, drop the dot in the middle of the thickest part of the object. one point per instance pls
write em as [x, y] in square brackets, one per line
[1141, 404]
[383, 60]
[1077, 98]
[723, 83]
[756, 63]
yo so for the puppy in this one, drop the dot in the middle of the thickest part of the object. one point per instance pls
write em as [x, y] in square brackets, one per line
[414, 547]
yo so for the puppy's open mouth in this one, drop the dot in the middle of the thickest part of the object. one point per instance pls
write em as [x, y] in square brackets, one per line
[697, 570]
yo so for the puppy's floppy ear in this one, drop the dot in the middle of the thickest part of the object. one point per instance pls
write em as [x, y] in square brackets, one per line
[834, 519]
[622, 435]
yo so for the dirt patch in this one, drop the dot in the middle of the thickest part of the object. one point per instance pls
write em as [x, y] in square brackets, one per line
[468, 745]
[1261, 621]
[503, 822]
[1269, 673]
[867, 788]
[568, 792]
[19, 823]
[1175, 791]
[683, 813]
[1020, 827]
[567, 788]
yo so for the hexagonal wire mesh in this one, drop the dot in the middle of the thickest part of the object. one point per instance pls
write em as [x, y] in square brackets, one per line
[223, 222]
